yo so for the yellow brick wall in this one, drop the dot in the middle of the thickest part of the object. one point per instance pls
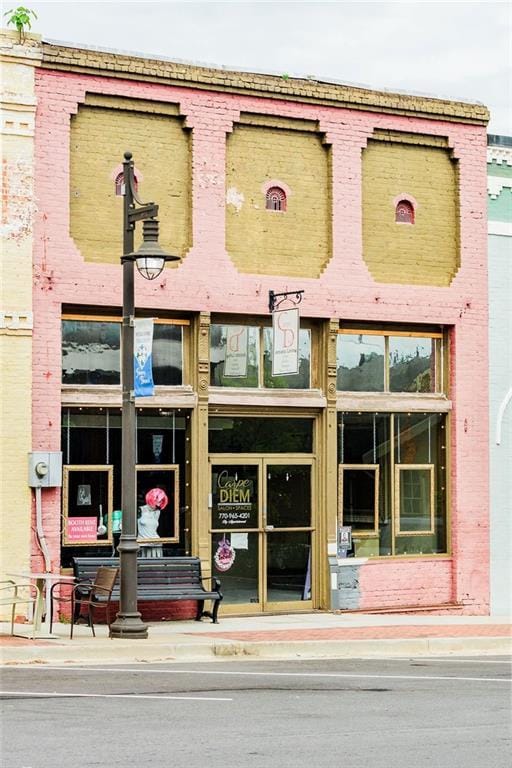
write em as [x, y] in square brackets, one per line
[17, 137]
[161, 151]
[426, 253]
[296, 242]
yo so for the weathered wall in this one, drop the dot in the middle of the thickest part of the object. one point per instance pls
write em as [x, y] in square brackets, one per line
[17, 135]
[295, 242]
[423, 253]
[208, 280]
[101, 131]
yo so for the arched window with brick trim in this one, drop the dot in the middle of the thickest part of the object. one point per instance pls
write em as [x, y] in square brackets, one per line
[404, 212]
[119, 183]
[275, 199]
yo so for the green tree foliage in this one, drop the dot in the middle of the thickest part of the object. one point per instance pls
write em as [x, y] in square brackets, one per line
[20, 18]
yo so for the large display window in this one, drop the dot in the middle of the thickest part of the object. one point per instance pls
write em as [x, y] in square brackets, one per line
[392, 482]
[91, 447]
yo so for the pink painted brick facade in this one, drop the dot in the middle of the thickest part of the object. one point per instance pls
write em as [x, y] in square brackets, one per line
[345, 289]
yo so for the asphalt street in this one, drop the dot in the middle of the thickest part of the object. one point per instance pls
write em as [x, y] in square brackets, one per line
[383, 713]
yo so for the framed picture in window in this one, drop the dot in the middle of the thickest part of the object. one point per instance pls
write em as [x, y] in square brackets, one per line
[414, 499]
[87, 496]
[157, 504]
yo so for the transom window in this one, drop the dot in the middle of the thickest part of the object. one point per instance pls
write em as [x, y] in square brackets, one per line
[241, 356]
[275, 199]
[91, 351]
[389, 361]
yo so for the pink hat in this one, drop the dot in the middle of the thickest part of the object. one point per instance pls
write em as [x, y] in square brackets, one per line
[157, 498]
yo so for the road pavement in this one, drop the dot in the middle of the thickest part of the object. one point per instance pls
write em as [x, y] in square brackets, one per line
[400, 713]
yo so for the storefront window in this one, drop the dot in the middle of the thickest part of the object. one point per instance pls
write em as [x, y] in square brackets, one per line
[91, 447]
[234, 356]
[236, 360]
[300, 380]
[360, 363]
[389, 362]
[412, 364]
[392, 482]
[91, 352]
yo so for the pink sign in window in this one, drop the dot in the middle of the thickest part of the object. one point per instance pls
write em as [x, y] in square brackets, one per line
[82, 529]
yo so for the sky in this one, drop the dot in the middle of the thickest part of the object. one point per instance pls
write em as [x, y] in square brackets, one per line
[456, 49]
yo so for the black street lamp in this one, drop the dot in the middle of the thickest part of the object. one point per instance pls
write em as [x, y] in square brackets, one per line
[150, 260]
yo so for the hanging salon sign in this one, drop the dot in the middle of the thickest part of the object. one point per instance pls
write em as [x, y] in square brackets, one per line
[143, 358]
[285, 342]
[235, 364]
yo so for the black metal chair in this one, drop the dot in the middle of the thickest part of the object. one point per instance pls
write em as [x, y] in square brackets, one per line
[92, 594]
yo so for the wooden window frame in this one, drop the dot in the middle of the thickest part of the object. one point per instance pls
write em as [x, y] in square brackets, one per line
[399, 468]
[175, 509]
[95, 318]
[365, 532]
[439, 356]
[261, 324]
[108, 469]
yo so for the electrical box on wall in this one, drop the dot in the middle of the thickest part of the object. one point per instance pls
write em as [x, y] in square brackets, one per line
[45, 469]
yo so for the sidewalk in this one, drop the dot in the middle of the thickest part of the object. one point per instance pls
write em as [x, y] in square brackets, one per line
[312, 635]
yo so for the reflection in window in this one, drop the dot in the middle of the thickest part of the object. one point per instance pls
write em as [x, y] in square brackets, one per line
[411, 364]
[300, 380]
[360, 363]
[90, 352]
[167, 354]
[389, 362]
[234, 356]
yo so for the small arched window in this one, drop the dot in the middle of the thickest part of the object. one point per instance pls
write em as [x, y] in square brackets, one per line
[275, 199]
[404, 212]
[119, 182]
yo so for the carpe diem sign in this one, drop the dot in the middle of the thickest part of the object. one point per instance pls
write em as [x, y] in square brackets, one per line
[234, 501]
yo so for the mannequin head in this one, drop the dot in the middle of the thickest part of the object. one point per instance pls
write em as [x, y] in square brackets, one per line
[157, 498]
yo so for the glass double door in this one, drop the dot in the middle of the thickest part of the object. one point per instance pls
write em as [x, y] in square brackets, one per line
[262, 532]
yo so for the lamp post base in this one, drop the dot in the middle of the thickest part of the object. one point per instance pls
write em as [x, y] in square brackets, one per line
[129, 626]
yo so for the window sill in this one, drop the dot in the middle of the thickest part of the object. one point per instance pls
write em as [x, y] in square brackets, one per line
[291, 398]
[393, 401]
[110, 395]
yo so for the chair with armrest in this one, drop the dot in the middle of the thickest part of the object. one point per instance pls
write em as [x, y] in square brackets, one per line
[14, 593]
[91, 594]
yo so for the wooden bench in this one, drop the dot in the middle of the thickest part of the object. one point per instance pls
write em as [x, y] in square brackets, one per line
[161, 579]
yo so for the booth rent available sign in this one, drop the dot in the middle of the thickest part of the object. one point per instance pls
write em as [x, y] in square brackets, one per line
[82, 529]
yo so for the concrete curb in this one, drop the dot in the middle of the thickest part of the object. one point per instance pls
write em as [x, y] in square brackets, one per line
[117, 652]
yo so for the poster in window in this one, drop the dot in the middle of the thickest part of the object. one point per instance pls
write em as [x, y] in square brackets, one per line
[87, 496]
[234, 496]
[237, 339]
